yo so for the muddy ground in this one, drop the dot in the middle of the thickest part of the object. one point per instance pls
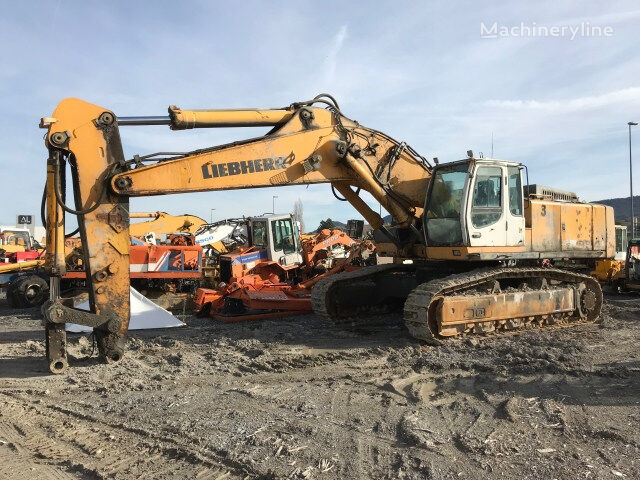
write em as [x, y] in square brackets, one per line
[296, 398]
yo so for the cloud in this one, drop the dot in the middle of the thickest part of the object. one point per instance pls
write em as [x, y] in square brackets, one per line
[626, 95]
[331, 62]
[603, 19]
[420, 73]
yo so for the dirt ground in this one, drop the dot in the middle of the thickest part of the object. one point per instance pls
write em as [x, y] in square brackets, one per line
[296, 398]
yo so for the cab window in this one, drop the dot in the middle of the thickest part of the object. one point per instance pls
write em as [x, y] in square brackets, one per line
[12, 237]
[442, 218]
[621, 239]
[259, 234]
[486, 208]
[515, 191]
[283, 236]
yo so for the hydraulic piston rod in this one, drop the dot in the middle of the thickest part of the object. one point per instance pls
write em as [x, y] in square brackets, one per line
[149, 120]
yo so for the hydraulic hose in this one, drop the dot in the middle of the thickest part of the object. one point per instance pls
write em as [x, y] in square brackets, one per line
[338, 197]
[56, 188]
[43, 217]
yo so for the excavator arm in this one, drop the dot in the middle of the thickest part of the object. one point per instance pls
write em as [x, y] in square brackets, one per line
[307, 144]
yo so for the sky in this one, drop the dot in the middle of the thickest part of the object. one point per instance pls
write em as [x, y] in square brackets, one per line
[420, 72]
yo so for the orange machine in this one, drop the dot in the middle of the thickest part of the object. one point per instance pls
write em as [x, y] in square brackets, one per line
[274, 250]
[320, 250]
[471, 247]
[611, 271]
[277, 249]
[621, 275]
[254, 296]
[276, 260]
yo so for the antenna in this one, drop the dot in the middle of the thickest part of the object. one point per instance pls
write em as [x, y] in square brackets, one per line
[491, 144]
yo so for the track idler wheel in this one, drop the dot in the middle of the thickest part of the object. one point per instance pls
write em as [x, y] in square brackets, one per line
[589, 302]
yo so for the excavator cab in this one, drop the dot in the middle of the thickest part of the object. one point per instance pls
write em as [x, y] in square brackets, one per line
[477, 203]
[272, 238]
[279, 236]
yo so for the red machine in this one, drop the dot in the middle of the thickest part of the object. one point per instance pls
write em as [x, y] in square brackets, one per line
[260, 293]
[176, 267]
[19, 257]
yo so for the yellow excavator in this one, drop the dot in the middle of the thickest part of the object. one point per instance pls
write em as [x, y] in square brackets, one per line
[164, 223]
[473, 248]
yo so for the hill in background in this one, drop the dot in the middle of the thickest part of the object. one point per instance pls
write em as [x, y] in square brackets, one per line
[622, 207]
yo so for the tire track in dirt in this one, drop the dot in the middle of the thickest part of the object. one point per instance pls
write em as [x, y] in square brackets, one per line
[17, 461]
[297, 400]
[94, 448]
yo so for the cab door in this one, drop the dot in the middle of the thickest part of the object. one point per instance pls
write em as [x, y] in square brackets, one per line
[486, 219]
[284, 248]
[515, 213]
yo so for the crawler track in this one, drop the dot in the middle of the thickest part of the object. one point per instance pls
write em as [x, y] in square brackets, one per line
[325, 299]
[421, 308]
[347, 297]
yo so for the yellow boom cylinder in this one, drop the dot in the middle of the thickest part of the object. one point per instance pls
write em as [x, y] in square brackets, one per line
[186, 119]
[400, 214]
[354, 199]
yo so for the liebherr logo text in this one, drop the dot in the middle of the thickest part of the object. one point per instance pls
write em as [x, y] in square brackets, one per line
[213, 170]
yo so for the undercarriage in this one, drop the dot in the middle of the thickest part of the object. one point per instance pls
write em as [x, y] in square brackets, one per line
[442, 301]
